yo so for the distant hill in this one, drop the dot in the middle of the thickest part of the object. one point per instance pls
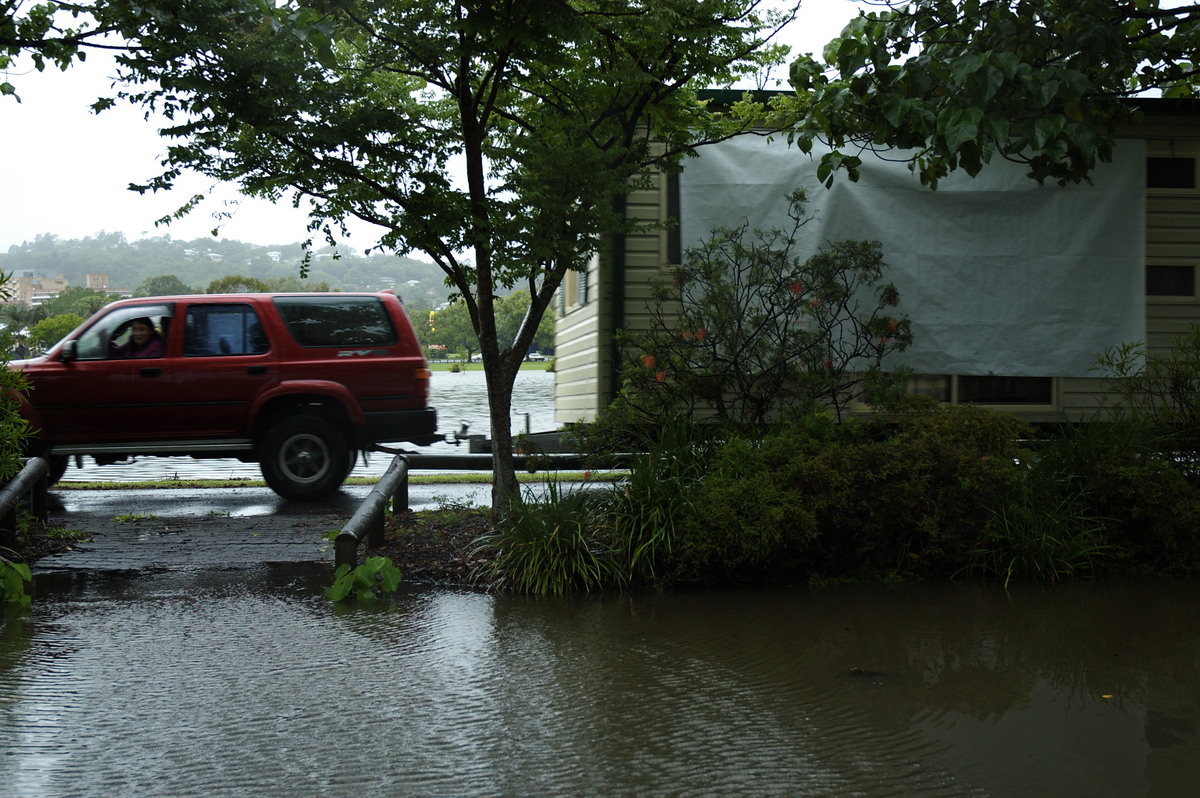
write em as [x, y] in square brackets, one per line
[198, 262]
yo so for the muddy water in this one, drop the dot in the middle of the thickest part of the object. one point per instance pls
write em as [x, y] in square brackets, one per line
[248, 683]
[459, 398]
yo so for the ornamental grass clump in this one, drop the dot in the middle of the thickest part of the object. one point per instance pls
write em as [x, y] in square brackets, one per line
[550, 547]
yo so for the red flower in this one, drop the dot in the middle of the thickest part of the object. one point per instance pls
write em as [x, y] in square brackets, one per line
[884, 340]
[892, 326]
[701, 334]
[686, 334]
[660, 376]
[798, 287]
[648, 361]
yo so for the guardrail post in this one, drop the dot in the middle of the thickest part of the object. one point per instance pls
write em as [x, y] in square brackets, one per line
[400, 496]
[367, 523]
[30, 483]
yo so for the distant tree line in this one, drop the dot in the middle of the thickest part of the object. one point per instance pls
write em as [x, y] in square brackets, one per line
[136, 264]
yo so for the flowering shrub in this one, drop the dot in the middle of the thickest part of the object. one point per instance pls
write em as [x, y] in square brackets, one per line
[746, 330]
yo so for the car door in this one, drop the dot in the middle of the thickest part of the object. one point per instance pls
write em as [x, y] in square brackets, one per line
[228, 361]
[101, 394]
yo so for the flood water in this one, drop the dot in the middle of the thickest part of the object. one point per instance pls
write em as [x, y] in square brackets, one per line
[249, 683]
[459, 398]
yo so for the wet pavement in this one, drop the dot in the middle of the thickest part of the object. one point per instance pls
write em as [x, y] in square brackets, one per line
[223, 528]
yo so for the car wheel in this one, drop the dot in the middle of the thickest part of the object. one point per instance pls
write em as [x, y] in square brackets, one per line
[305, 458]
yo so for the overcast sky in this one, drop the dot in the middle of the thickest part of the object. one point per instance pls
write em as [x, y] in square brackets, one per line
[65, 170]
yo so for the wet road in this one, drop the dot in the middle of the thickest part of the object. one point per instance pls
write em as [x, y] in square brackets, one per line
[183, 529]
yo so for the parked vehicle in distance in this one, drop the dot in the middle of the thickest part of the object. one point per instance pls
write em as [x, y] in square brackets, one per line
[535, 356]
[299, 383]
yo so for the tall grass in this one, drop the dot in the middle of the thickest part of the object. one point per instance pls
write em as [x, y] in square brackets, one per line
[552, 546]
[649, 509]
[1047, 533]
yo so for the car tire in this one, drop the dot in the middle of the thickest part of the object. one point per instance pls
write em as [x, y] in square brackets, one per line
[305, 458]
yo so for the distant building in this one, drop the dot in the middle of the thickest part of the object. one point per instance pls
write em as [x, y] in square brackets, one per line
[30, 287]
[33, 287]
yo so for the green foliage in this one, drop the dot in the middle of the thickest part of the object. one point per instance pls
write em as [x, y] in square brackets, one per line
[376, 577]
[452, 328]
[47, 33]
[747, 332]
[1159, 388]
[134, 518]
[370, 111]
[1045, 532]
[47, 332]
[648, 511]
[746, 518]
[510, 313]
[948, 492]
[77, 300]
[14, 429]
[14, 576]
[1041, 82]
[555, 546]
[237, 284]
[163, 285]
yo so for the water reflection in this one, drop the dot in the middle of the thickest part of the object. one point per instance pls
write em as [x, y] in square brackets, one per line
[202, 683]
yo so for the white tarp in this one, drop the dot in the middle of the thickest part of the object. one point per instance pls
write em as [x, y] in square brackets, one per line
[999, 275]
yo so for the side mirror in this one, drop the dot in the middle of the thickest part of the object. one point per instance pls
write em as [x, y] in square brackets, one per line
[69, 351]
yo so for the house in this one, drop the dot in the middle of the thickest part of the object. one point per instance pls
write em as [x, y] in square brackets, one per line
[1013, 288]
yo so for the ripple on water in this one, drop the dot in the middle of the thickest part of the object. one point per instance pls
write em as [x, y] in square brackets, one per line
[222, 683]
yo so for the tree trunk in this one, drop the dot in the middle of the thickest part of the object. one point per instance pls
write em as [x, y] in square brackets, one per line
[500, 379]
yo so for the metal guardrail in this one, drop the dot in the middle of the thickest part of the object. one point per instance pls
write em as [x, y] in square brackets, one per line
[367, 523]
[30, 484]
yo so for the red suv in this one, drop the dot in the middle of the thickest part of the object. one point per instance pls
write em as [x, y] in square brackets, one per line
[296, 382]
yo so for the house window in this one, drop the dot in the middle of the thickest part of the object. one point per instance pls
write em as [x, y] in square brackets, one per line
[991, 390]
[1170, 280]
[674, 242]
[1170, 172]
[581, 288]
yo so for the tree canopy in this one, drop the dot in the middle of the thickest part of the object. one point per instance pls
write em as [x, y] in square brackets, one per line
[958, 82]
[57, 33]
[493, 137]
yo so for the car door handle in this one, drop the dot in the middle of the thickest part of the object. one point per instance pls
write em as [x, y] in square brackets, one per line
[151, 371]
[256, 370]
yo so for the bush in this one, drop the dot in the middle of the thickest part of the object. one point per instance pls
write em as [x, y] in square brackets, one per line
[746, 331]
[918, 492]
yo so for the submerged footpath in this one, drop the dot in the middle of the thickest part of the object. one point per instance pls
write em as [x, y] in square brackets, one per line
[189, 528]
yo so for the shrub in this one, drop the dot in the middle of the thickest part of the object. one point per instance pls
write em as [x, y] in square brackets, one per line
[917, 493]
[746, 331]
[1161, 388]
[745, 522]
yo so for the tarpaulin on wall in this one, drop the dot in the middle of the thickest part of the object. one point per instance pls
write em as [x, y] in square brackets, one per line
[998, 274]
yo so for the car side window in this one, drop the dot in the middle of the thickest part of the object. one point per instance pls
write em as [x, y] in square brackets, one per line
[111, 336]
[216, 330]
[337, 321]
